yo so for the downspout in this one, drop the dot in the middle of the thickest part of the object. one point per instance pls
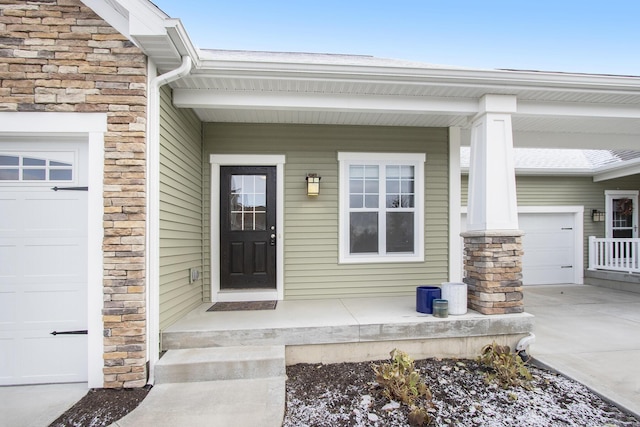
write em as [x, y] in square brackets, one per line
[153, 210]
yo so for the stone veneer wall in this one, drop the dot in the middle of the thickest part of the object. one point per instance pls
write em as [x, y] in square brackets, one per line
[493, 266]
[57, 55]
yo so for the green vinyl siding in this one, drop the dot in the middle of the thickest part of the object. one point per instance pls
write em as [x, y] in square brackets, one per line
[533, 190]
[311, 268]
[180, 210]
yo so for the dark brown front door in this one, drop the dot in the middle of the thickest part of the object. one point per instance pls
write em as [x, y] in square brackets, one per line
[247, 227]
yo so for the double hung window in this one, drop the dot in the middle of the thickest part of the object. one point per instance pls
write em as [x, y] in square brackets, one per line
[381, 207]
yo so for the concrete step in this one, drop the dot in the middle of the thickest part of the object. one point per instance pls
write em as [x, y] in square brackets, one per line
[220, 363]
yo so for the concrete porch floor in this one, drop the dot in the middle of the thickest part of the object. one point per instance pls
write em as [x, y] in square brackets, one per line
[349, 329]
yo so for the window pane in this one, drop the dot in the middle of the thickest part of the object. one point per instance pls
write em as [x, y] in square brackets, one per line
[407, 186]
[356, 171]
[393, 201]
[371, 186]
[261, 184]
[9, 160]
[408, 201]
[9, 174]
[236, 184]
[371, 171]
[407, 172]
[400, 232]
[363, 232]
[261, 221]
[34, 174]
[356, 202]
[236, 221]
[393, 186]
[27, 161]
[371, 202]
[54, 163]
[60, 175]
[356, 186]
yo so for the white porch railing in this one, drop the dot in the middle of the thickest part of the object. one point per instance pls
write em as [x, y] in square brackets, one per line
[614, 254]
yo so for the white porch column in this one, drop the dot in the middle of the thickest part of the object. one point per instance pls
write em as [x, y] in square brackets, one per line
[492, 203]
[493, 243]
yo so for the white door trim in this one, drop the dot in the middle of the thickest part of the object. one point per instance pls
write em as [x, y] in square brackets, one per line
[36, 126]
[216, 161]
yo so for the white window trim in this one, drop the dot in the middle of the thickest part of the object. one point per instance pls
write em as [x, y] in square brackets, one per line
[345, 159]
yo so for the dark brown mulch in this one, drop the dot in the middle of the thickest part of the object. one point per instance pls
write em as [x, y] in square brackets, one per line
[101, 407]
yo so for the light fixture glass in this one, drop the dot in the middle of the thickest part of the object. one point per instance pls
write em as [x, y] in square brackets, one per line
[597, 216]
[313, 184]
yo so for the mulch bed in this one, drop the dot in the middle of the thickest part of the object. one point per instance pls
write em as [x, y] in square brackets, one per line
[101, 407]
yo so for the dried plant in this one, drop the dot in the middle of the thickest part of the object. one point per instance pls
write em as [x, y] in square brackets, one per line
[507, 368]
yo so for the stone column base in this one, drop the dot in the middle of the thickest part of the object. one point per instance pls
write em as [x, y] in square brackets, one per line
[493, 267]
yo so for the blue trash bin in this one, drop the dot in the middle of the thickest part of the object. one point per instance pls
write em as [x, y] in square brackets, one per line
[424, 298]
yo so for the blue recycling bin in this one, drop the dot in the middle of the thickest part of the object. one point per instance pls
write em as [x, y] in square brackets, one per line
[424, 298]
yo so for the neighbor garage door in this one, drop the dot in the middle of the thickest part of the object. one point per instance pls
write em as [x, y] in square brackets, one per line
[549, 247]
[43, 263]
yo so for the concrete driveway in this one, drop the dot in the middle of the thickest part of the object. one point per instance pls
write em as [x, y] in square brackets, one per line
[592, 335]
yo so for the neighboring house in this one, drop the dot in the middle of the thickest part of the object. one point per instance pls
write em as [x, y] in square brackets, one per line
[565, 196]
[170, 161]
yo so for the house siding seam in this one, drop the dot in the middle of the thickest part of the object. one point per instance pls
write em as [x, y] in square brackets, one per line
[180, 209]
[58, 55]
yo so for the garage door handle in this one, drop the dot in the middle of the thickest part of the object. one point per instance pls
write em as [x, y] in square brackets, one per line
[54, 333]
[566, 228]
[70, 188]
[566, 266]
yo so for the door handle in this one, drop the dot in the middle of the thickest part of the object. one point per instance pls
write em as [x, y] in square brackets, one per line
[272, 240]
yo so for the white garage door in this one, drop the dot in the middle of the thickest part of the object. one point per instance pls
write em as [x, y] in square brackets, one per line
[43, 263]
[549, 248]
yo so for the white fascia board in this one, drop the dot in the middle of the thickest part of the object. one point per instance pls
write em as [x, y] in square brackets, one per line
[562, 82]
[196, 98]
[572, 109]
[630, 167]
[144, 18]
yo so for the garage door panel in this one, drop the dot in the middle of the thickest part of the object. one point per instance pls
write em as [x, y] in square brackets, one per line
[549, 248]
[50, 215]
[8, 313]
[9, 261]
[24, 362]
[9, 223]
[64, 313]
[43, 279]
[54, 259]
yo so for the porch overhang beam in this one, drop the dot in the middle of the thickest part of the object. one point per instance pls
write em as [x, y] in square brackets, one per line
[631, 167]
[557, 109]
[217, 99]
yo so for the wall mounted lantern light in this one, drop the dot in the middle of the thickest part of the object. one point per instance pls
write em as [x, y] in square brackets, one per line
[597, 216]
[313, 184]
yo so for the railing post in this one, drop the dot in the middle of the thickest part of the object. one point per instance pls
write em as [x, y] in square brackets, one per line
[592, 252]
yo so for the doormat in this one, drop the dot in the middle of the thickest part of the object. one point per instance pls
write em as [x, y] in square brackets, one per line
[243, 306]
